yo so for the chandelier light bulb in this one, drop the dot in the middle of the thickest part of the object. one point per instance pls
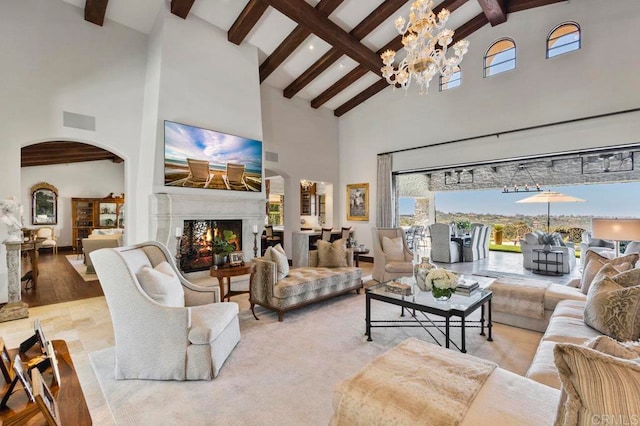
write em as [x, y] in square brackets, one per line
[423, 60]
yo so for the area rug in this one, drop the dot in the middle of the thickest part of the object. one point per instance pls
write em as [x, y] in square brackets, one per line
[284, 373]
[80, 267]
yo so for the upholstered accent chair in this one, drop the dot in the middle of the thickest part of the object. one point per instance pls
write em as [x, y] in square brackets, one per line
[199, 173]
[234, 178]
[393, 261]
[48, 238]
[188, 341]
[475, 250]
[442, 248]
[602, 247]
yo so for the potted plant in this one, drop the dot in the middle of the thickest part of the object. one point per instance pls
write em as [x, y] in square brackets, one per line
[497, 233]
[222, 247]
[464, 226]
[547, 240]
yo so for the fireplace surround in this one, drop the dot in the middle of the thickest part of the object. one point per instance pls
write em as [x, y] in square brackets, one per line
[170, 211]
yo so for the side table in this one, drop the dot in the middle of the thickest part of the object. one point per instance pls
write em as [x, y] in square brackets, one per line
[249, 268]
[356, 255]
[546, 259]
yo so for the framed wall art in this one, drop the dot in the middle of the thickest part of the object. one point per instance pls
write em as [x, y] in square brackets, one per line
[358, 201]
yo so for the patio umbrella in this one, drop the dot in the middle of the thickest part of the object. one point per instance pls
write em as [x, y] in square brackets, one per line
[550, 197]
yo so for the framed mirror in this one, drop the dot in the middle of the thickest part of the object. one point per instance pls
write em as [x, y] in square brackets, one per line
[44, 204]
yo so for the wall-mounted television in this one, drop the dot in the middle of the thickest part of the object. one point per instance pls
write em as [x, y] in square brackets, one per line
[200, 158]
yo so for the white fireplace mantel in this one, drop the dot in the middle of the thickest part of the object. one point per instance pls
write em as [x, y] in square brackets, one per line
[169, 211]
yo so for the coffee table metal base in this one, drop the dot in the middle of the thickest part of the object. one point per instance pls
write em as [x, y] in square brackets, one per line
[419, 318]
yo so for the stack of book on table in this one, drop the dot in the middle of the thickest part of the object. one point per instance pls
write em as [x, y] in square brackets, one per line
[466, 287]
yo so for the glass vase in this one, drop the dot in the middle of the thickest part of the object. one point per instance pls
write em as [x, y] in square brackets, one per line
[442, 294]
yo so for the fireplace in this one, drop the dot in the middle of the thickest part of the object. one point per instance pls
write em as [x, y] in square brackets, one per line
[196, 253]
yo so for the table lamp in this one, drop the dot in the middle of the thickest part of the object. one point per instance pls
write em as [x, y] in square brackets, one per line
[616, 230]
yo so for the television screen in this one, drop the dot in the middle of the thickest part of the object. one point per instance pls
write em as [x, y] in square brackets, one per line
[201, 158]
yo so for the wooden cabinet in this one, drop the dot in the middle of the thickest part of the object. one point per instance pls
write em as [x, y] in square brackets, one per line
[88, 214]
[308, 200]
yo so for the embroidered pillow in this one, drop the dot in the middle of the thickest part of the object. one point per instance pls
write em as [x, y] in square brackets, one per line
[332, 255]
[613, 309]
[162, 285]
[277, 255]
[594, 262]
[595, 384]
[607, 345]
[393, 248]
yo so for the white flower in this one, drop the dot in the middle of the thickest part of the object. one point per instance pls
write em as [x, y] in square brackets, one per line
[441, 278]
[11, 212]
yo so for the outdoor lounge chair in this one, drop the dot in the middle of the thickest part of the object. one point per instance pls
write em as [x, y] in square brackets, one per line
[234, 178]
[198, 173]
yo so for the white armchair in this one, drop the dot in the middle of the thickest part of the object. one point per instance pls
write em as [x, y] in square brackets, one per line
[48, 238]
[395, 261]
[159, 342]
[602, 247]
[531, 242]
[442, 248]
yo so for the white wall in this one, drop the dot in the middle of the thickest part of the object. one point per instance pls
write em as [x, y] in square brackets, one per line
[600, 78]
[94, 179]
[306, 141]
[54, 61]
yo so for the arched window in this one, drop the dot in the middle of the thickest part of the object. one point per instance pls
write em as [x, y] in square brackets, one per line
[500, 57]
[454, 80]
[563, 38]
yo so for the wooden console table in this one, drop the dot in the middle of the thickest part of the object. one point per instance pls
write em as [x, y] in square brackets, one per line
[72, 406]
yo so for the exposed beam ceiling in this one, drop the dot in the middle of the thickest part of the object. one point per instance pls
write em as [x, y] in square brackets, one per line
[60, 152]
[520, 5]
[293, 40]
[181, 8]
[494, 10]
[95, 11]
[249, 17]
[370, 23]
[301, 12]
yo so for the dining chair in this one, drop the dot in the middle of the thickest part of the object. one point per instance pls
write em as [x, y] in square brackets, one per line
[271, 239]
[442, 248]
[326, 234]
[345, 234]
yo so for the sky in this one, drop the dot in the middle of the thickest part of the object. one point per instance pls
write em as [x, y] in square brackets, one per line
[606, 200]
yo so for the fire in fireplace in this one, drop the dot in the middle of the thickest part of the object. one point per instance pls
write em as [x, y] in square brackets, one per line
[196, 250]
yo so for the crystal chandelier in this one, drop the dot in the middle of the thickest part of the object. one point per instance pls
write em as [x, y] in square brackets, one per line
[425, 53]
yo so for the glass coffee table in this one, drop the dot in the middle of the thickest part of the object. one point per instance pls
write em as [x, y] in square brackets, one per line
[422, 306]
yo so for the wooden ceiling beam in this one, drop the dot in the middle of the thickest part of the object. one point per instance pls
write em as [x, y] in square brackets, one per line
[248, 18]
[181, 8]
[62, 152]
[293, 40]
[368, 24]
[494, 10]
[95, 11]
[520, 5]
[359, 71]
[461, 32]
[304, 14]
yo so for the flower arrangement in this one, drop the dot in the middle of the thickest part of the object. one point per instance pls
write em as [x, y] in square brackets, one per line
[11, 213]
[443, 283]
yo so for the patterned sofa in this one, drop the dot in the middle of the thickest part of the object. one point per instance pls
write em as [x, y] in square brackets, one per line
[303, 285]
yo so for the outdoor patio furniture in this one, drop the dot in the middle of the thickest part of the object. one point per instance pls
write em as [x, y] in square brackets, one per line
[475, 249]
[443, 249]
[531, 241]
[602, 247]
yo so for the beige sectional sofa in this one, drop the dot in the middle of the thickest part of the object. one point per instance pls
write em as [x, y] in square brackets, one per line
[301, 286]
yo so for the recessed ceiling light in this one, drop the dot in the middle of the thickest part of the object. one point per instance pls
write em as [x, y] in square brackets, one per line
[310, 46]
[341, 65]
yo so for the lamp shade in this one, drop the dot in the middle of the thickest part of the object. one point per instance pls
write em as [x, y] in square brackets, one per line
[616, 229]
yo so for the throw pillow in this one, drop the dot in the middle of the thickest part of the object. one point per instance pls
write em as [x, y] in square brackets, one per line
[632, 247]
[607, 345]
[531, 238]
[595, 384]
[393, 248]
[589, 272]
[162, 285]
[332, 255]
[612, 309]
[278, 256]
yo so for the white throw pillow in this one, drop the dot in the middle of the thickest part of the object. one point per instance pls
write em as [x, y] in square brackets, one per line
[393, 248]
[277, 255]
[162, 285]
